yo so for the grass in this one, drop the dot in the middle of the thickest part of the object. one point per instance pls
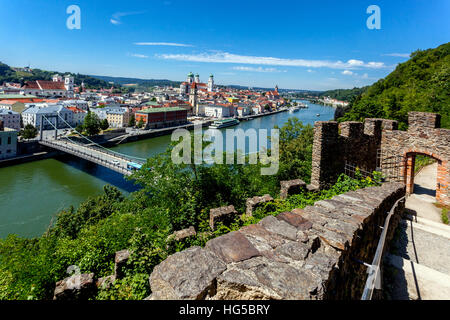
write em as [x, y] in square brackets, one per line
[444, 215]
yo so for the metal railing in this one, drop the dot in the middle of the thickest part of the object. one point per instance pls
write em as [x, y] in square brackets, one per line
[374, 278]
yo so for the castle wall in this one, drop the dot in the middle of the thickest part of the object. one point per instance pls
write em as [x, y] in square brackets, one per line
[423, 137]
[358, 144]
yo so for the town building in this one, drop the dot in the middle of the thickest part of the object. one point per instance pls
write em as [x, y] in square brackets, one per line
[10, 119]
[118, 118]
[78, 115]
[79, 104]
[37, 115]
[55, 88]
[8, 142]
[217, 111]
[161, 117]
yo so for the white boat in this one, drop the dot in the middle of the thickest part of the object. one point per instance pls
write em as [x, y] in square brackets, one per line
[294, 109]
[318, 115]
[219, 124]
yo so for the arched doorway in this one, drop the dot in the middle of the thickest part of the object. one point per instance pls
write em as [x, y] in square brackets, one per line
[424, 179]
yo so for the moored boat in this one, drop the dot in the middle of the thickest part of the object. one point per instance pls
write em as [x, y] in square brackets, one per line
[219, 124]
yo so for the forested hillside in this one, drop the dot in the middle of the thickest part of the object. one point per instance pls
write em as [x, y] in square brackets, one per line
[420, 84]
[8, 74]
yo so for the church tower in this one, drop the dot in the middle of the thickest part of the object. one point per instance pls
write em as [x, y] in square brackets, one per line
[197, 78]
[193, 98]
[276, 88]
[210, 83]
[190, 78]
[69, 85]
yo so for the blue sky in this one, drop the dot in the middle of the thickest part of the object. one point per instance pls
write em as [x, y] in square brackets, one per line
[314, 45]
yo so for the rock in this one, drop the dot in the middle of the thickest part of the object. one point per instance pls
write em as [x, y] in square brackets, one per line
[291, 187]
[257, 231]
[295, 220]
[260, 278]
[76, 287]
[120, 262]
[279, 227]
[294, 250]
[226, 215]
[105, 282]
[232, 247]
[182, 234]
[189, 274]
[253, 203]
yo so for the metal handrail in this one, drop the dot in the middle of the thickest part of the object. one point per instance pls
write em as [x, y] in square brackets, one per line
[374, 280]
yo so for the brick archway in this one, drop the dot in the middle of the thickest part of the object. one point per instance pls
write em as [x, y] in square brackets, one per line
[441, 178]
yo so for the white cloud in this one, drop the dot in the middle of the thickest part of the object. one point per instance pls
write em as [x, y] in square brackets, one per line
[115, 18]
[310, 71]
[401, 55]
[347, 73]
[365, 76]
[259, 69]
[225, 57]
[170, 44]
[137, 55]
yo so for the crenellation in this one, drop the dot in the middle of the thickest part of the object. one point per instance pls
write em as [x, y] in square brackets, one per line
[373, 126]
[351, 129]
[421, 120]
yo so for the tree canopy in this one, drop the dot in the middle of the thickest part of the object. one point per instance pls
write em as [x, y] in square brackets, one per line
[420, 84]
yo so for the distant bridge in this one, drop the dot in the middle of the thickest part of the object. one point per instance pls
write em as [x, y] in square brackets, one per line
[91, 151]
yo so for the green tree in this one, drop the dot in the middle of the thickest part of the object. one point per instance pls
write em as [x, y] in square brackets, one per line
[91, 124]
[29, 132]
[140, 123]
[79, 128]
[419, 84]
[104, 124]
[132, 121]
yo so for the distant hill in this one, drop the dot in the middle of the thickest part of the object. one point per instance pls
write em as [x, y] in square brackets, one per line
[343, 94]
[10, 74]
[419, 84]
[138, 82]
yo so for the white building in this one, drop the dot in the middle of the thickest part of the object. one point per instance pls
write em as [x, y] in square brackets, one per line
[55, 88]
[36, 116]
[10, 119]
[79, 104]
[216, 111]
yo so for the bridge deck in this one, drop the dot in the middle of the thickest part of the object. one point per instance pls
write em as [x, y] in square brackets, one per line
[104, 158]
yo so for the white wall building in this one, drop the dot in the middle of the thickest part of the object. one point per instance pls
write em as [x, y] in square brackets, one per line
[216, 111]
[79, 104]
[36, 116]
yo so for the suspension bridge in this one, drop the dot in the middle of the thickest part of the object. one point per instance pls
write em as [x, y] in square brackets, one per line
[88, 149]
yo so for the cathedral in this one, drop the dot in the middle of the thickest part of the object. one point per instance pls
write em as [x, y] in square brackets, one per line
[194, 82]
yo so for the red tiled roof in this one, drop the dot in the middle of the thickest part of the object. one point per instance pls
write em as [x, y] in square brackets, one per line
[45, 85]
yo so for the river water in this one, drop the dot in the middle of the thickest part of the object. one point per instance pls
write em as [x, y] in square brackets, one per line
[31, 194]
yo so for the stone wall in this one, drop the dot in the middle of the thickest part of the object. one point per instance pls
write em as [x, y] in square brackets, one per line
[309, 253]
[423, 137]
[376, 144]
[335, 144]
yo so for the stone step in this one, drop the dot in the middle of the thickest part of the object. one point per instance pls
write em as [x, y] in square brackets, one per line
[431, 227]
[415, 281]
[436, 227]
[424, 245]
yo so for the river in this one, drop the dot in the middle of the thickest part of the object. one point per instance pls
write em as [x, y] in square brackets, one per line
[31, 194]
